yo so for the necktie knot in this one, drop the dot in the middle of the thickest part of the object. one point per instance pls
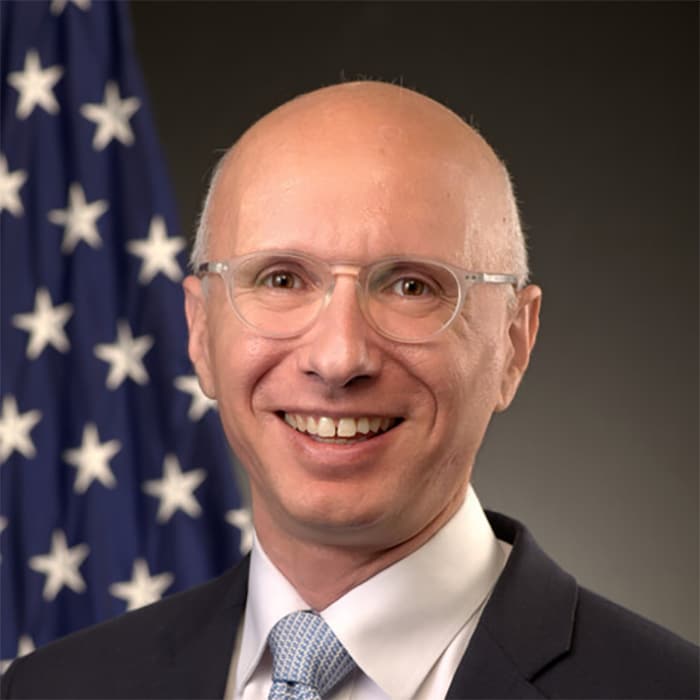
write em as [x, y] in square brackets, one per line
[308, 660]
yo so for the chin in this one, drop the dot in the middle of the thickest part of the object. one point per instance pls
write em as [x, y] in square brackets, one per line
[334, 518]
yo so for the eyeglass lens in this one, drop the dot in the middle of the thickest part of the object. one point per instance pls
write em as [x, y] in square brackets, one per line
[282, 295]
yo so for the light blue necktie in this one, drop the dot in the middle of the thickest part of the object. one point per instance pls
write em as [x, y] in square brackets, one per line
[308, 660]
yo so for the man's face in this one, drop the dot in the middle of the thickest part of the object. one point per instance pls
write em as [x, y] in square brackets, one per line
[345, 199]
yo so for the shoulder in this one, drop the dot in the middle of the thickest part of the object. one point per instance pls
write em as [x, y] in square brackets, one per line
[122, 656]
[567, 641]
[617, 653]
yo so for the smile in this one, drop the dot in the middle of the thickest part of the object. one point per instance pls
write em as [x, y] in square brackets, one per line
[340, 429]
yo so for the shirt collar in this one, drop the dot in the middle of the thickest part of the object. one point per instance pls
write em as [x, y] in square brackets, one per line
[270, 598]
[414, 608]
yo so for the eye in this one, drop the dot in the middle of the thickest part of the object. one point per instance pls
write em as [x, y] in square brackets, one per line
[281, 279]
[407, 281]
[411, 287]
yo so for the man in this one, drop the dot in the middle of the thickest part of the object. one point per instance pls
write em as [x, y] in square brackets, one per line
[360, 311]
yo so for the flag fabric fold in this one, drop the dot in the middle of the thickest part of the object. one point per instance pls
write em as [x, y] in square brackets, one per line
[117, 484]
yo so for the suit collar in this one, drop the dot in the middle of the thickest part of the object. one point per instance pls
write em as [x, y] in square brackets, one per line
[199, 643]
[526, 625]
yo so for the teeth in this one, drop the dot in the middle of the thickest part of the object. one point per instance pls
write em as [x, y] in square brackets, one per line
[349, 427]
[326, 427]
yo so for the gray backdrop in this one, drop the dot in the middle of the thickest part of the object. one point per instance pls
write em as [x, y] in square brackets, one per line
[594, 107]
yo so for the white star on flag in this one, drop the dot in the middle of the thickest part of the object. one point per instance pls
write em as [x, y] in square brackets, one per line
[79, 219]
[35, 86]
[25, 646]
[60, 566]
[175, 490]
[10, 182]
[44, 324]
[125, 356]
[241, 518]
[200, 403]
[92, 460]
[15, 428]
[158, 252]
[112, 117]
[143, 588]
[57, 6]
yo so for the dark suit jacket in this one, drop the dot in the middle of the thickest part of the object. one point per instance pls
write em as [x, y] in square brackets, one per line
[540, 636]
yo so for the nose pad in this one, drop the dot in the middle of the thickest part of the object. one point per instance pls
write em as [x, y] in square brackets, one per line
[359, 299]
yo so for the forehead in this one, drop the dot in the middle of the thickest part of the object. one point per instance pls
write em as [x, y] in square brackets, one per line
[358, 182]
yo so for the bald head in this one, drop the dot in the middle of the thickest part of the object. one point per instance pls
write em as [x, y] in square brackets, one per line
[386, 142]
[322, 193]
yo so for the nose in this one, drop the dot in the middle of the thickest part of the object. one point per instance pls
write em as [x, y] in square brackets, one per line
[338, 349]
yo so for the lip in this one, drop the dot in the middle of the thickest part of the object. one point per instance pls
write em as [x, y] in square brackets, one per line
[336, 413]
[343, 429]
[332, 457]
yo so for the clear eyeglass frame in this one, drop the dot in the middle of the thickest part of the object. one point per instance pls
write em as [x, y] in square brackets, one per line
[329, 271]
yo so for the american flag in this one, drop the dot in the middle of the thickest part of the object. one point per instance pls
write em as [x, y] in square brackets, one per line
[116, 479]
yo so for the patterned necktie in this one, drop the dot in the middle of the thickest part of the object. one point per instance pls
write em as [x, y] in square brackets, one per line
[308, 660]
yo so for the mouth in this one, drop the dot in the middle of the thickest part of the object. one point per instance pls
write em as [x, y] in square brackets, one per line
[341, 430]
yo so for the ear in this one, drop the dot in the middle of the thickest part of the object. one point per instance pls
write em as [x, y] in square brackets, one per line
[197, 323]
[522, 333]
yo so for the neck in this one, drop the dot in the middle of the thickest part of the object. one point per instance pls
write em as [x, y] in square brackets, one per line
[322, 573]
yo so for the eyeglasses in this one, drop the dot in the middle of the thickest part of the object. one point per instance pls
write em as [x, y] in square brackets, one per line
[281, 293]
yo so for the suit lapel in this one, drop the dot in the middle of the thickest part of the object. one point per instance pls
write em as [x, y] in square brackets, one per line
[199, 644]
[486, 671]
[526, 625]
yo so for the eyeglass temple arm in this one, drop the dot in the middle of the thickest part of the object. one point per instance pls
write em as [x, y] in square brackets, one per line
[491, 278]
[210, 267]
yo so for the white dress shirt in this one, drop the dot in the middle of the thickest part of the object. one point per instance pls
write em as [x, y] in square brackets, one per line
[407, 627]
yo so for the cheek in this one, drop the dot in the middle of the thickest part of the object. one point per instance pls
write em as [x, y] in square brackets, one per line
[467, 393]
[243, 364]
[240, 362]
[473, 366]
